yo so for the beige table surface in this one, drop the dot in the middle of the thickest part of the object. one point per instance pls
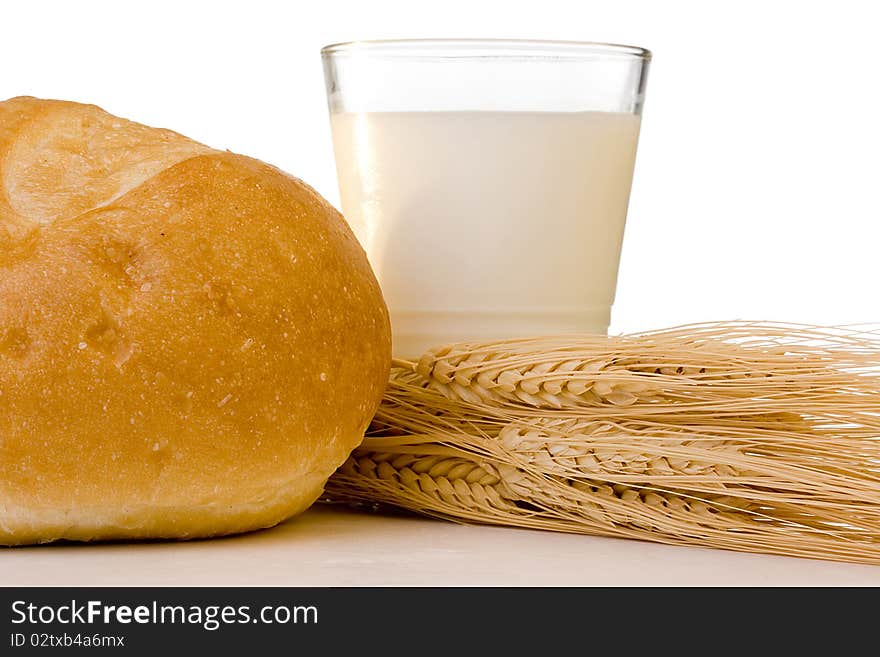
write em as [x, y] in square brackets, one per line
[338, 547]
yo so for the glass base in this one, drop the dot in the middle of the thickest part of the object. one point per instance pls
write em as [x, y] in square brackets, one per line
[415, 332]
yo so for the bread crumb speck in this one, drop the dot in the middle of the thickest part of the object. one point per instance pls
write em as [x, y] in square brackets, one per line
[224, 401]
[323, 376]
[82, 345]
[146, 287]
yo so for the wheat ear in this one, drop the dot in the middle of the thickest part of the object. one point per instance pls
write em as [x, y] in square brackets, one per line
[804, 369]
[757, 437]
[453, 484]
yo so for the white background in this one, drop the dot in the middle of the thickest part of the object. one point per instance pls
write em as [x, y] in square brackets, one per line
[755, 193]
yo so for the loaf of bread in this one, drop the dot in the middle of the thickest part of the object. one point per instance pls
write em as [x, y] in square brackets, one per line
[191, 341]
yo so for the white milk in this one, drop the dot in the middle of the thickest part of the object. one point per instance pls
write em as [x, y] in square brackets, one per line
[483, 225]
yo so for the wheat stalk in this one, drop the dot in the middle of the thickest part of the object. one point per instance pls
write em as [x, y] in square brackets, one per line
[759, 437]
[703, 461]
[454, 485]
[662, 371]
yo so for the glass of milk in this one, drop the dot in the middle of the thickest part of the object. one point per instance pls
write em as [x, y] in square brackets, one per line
[488, 181]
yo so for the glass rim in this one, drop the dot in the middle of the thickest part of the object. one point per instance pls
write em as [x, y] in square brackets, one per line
[488, 48]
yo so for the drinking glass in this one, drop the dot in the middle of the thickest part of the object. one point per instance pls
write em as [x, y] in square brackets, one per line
[488, 181]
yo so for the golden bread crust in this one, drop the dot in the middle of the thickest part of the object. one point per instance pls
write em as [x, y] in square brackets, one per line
[191, 341]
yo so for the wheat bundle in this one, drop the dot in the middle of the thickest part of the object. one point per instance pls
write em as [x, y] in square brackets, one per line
[746, 436]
